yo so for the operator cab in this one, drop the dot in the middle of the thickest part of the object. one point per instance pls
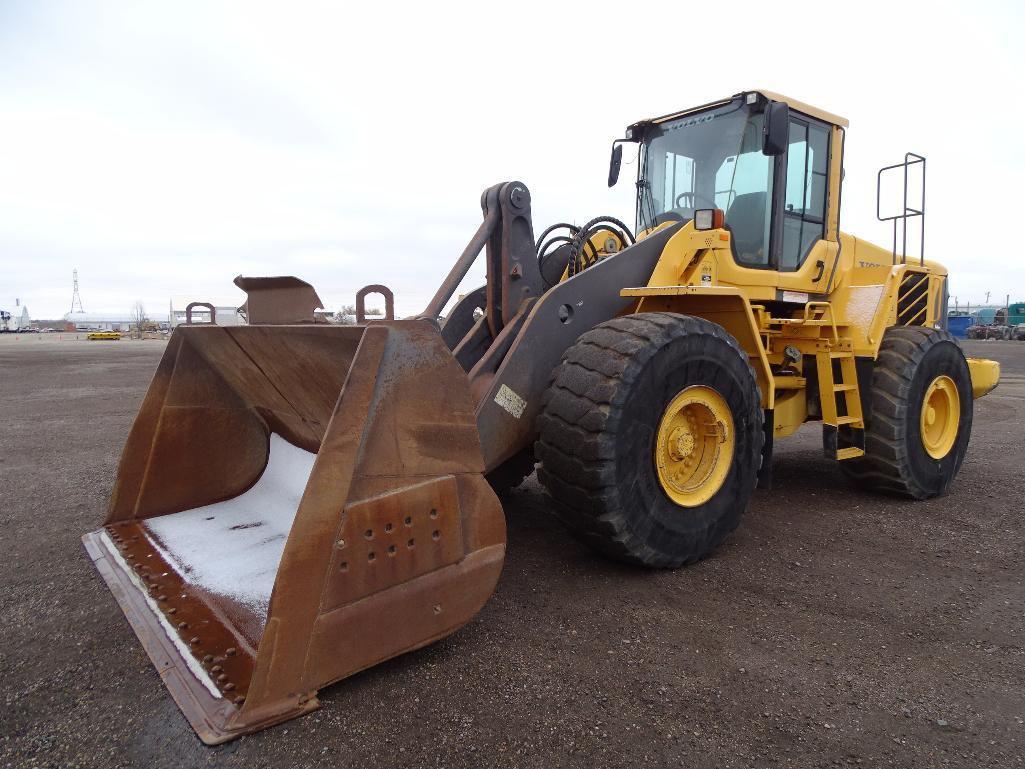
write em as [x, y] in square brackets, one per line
[765, 165]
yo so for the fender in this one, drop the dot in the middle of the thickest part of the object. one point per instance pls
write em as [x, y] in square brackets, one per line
[724, 305]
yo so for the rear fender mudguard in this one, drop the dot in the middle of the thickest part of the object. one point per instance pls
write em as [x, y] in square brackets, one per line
[985, 375]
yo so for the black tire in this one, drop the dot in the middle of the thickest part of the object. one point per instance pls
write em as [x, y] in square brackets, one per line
[511, 473]
[597, 428]
[896, 461]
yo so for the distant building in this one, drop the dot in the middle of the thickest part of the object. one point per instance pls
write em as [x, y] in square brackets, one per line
[99, 321]
[14, 316]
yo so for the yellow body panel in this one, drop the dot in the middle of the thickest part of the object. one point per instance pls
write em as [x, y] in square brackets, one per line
[790, 412]
[985, 375]
[697, 275]
[865, 291]
[806, 108]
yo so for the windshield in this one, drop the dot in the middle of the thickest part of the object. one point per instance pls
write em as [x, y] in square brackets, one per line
[711, 159]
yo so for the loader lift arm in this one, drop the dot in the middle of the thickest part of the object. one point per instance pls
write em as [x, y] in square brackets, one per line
[513, 277]
[512, 349]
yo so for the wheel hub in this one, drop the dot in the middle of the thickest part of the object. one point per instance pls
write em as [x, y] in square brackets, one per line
[694, 446]
[941, 417]
[681, 443]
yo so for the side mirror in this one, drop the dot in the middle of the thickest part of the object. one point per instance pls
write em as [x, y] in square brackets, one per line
[615, 163]
[776, 128]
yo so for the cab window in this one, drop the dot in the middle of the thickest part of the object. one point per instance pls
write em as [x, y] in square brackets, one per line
[742, 183]
[678, 181]
[804, 209]
[711, 159]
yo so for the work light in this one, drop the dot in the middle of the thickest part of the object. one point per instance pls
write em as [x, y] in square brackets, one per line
[708, 219]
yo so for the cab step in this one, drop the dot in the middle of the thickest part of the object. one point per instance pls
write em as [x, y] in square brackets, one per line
[841, 405]
[849, 452]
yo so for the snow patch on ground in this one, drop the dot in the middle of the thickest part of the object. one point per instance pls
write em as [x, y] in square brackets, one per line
[233, 548]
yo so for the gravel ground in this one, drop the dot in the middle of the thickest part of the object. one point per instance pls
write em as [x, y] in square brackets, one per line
[834, 628]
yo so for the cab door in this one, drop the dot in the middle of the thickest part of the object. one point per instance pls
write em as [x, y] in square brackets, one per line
[804, 257]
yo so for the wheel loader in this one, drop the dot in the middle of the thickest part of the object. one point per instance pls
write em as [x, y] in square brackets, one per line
[298, 501]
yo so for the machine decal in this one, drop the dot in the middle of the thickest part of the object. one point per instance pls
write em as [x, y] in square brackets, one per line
[510, 401]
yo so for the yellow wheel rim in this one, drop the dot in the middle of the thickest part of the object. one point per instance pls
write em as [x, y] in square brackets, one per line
[694, 446]
[941, 416]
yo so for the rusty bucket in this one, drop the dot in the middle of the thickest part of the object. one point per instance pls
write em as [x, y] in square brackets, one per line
[295, 504]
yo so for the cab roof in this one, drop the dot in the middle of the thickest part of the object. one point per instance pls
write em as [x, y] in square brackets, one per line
[796, 105]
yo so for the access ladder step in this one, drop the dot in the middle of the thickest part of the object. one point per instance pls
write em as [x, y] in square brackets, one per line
[840, 399]
[848, 446]
[849, 452]
[846, 420]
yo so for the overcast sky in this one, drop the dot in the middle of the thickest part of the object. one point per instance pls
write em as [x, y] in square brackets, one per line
[163, 148]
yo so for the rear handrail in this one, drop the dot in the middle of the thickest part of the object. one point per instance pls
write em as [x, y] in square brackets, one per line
[910, 159]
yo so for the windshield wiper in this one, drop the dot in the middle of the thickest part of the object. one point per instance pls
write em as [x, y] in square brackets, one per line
[644, 188]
